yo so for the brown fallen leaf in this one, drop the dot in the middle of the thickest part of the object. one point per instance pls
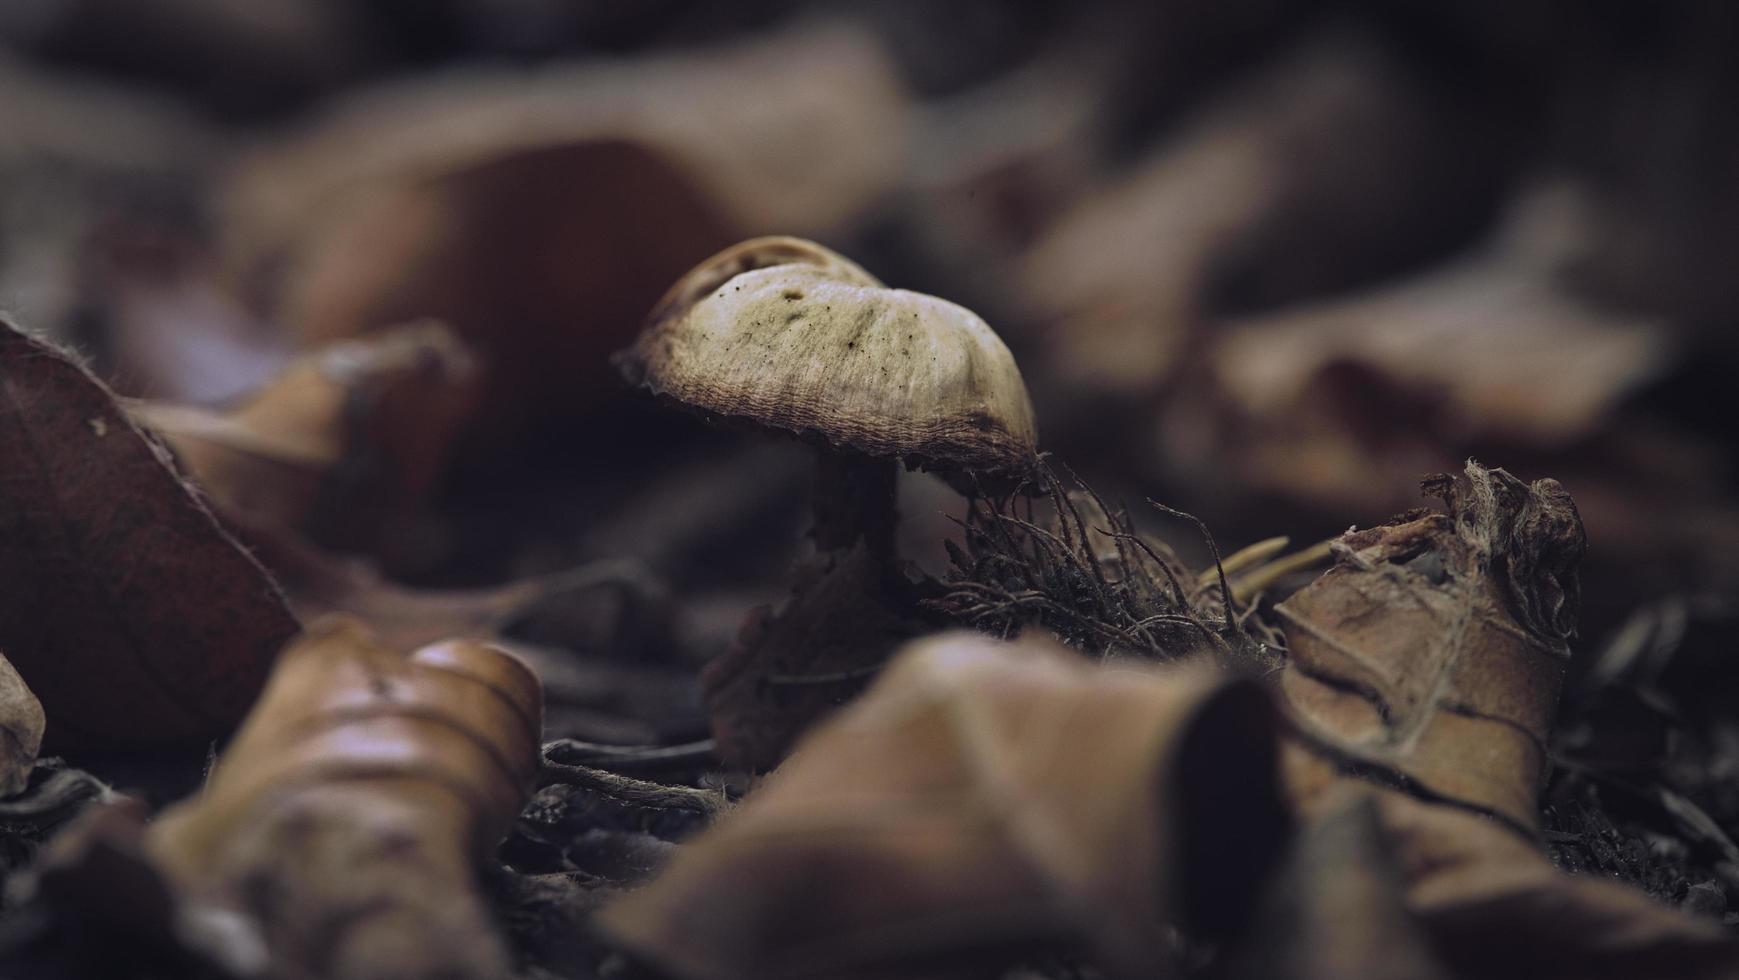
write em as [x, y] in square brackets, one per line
[347, 819]
[1496, 908]
[21, 726]
[344, 439]
[1428, 662]
[1335, 909]
[1476, 332]
[1335, 140]
[317, 583]
[1325, 402]
[134, 617]
[982, 799]
[1431, 654]
[543, 215]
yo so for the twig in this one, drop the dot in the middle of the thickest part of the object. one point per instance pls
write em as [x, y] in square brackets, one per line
[634, 792]
[631, 758]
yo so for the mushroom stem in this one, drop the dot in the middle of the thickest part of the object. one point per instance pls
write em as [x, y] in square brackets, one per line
[854, 499]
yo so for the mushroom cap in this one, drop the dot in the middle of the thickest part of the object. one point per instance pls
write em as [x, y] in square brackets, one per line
[784, 334]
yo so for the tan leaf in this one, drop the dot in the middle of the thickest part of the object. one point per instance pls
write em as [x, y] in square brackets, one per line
[348, 817]
[21, 726]
[1432, 653]
[344, 438]
[135, 618]
[983, 798]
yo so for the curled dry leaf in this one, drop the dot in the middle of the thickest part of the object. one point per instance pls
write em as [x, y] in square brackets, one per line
[983, 798]
[21, 726]
[348, 817]
[1431, 654]
[543, 215]
[135, 618]
[344, 438]
[1428, 661]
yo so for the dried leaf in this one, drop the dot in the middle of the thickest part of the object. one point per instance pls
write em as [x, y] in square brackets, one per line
[983, 798]
[1476, 334]
[21, 726]
[1335, 910]
[543, 215]
[1238, 201]
[318, 583]
[343, 439]
[348, 817]
[1432, 653]
[1496, 908]
[135, 618]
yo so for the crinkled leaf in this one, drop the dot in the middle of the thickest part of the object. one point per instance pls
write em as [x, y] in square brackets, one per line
[1432, 653]
[982, 798]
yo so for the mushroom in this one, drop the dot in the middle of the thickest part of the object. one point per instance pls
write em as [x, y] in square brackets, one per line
[781, 334]
[785, 335]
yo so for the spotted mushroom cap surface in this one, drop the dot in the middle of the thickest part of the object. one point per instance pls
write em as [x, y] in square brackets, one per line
[786, 335]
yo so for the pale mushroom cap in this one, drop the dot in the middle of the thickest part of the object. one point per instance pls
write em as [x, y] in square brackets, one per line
[820, 349]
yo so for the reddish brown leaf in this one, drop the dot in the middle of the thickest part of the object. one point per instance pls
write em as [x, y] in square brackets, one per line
[132, 614]
[543, 215]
